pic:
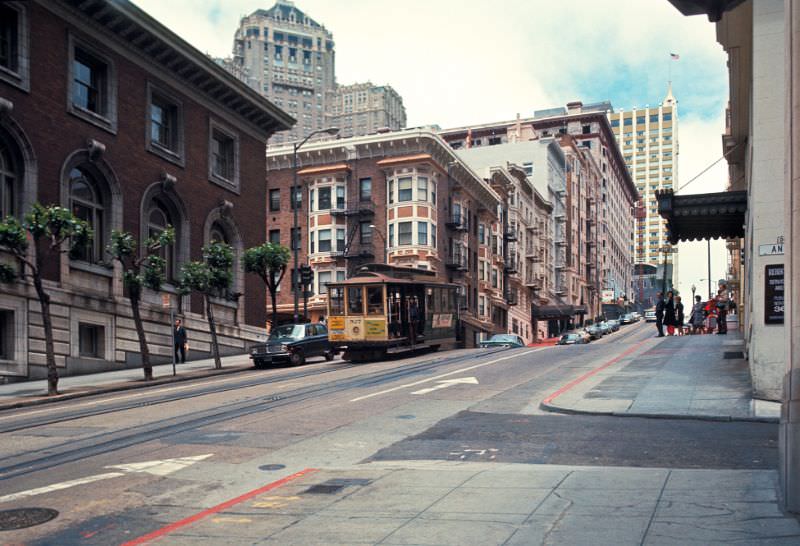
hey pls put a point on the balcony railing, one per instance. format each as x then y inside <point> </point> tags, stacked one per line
<point>457,221</point>
<point>456,261</point>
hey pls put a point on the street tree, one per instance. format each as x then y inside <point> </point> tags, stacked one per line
<point>212,278</point>
<point>53,230</point>
<point>269,262</point>
<point>139,271</point>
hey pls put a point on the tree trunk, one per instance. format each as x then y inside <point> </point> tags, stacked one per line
<point>137,320</point>
<point>273,299</point>
<point>44,301</point>
<point>213,328</point>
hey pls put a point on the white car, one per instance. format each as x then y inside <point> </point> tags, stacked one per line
<point>650,316</point>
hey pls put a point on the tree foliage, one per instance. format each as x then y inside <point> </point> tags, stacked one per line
<point>268,261</point>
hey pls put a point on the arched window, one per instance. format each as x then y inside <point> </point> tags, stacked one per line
<point>217,234</point>
<point>158,219</point>
<point>86,203</point>
<point>8,181</point>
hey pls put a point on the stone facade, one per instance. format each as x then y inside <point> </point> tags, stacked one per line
<point>147,131</point>
<point>363,109</point>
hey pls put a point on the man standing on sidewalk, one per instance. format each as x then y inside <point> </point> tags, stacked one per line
<point>722,310</point>
<point>660,314</point>
<point>179,339</point>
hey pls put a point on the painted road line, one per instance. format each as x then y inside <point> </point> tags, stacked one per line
<point>59,486</point>
<point>449,383</point>
<point>462,370</point>
<point>590,373</point>
<point>156,468</point>
<point>158,533</point>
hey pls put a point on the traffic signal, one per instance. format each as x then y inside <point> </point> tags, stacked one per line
<point>306,275</point>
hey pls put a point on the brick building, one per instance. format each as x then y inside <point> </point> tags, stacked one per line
<point>403,198</point>
<point>107,112</point>
<point>611,214</point>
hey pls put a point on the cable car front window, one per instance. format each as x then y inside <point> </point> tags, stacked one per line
<point>355,300</point>
<point>375,300</point>
<point>336,299</point>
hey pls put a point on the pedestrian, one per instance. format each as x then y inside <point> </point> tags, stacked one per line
<point>679,315</point>
<point>669,314</point>
<point>722,310</point>
<point>322,320</point>
<point>413,317</point>
<point>180,340</point>
<point>660,314</point>
<point>698,316</point>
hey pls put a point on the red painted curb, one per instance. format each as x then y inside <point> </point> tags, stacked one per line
<point>589,374</point>
<point>158,533</point>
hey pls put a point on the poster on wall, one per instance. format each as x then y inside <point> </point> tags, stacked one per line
<point>773,294</point>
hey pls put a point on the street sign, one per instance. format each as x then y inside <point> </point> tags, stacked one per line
<point>772,249</point>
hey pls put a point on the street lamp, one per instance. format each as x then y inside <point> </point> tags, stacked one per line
<point>295,239</point>
<point>693,289</point>
<point>374,228</point>
<point>666,249</point>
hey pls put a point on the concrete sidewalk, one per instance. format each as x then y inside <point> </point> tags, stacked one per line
<point>31,393</point>
<point>451,503</point>
<point>684,377</point>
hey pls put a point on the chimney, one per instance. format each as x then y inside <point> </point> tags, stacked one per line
<point>574,107</point>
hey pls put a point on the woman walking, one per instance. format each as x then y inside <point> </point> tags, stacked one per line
<point>669,314</point>
<point>679,315</point>
<point>698,316</point>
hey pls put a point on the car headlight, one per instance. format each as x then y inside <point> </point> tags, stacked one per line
<point>284,348</point>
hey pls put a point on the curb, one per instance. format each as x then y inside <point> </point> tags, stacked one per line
<point>677,416</point>
<point>120,387</point>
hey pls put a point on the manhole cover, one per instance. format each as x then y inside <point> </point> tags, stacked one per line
<point>21,518</point>
<point>324,489</point>
<point>733,354</point>
<point>271,467</point>
<point>406,416</point>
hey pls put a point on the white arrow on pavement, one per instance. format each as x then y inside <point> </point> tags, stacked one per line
<point>156,468</point>
<point>448,383</point>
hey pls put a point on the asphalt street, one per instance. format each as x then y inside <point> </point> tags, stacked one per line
<point>219,460</point>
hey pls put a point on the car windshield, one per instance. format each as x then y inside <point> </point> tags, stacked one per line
<point>504,338</point>
<point>293,331</point>
<point>571,336</point>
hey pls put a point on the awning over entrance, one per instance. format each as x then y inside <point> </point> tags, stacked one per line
<point>553,312</point>
<point>703,215</point>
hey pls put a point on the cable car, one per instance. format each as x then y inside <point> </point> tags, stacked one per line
<point>386,309</point>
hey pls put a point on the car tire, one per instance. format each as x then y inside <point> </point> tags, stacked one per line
<point>297,358</point>
<point>258,364</point>
<point>329,355</point>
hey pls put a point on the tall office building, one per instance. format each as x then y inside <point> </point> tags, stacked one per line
<point>648,138</point>
<point>290,59</point>
<point>363,109</point>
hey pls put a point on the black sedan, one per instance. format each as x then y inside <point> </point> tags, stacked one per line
<point>293,343</point>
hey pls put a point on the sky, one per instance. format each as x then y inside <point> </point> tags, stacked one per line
<point>460,62</point>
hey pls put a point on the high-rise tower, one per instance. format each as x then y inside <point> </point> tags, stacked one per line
<point>289,58</point>
<point>648,138</point>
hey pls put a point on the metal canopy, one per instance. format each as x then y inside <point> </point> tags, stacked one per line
<point>552,312</point>
<point>703,215</point>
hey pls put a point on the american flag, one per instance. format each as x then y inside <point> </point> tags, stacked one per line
<point>674,56</point>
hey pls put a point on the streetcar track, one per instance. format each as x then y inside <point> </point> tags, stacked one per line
<point>107,442</point>
<point>207,387</point>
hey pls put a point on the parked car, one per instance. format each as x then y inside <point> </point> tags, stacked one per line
<point>615,324</point>
<point>594,331</point>
<point>573,338</point>
<point>650,315</point>
<point>637,316</point>
<point>605,327</point>
<point>503,340</point>
<point>627,318</point>
<point>293,343</point>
